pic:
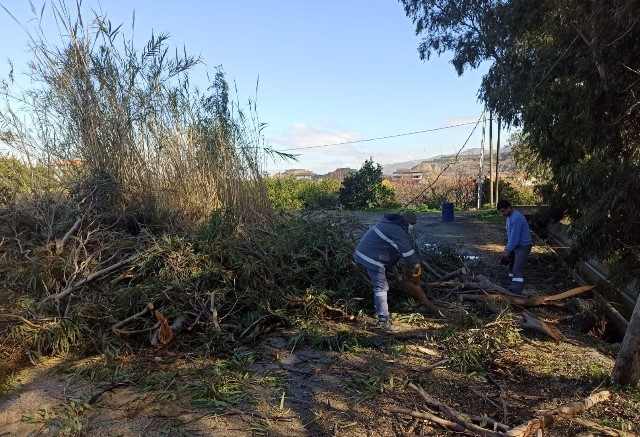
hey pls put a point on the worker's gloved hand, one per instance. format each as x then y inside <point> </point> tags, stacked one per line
<point>505,258</point>
<point>417,272</point>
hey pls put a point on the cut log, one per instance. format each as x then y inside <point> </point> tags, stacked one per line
<point>460,272</point>
<point>532,426</point>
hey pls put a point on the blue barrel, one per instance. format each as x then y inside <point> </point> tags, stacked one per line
<point>447,212</point>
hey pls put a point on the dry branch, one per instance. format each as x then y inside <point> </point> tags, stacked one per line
<point>526,302</point>
<point>73,287</point>
<point>601,428</point>
<point>18,318</point>
<point>455,415</point>
<point>429,269</point>
<point>434,365</point>
<point>532,426</point>
<point>427,351</point>
<point>530,321</point>
<point>432,417</point>
<point>486,284</point>
<point>60,243</point>
<point>116,328</point>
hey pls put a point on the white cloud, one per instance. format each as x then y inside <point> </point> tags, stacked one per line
<point>303,135</point>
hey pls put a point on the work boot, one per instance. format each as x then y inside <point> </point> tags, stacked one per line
<point>386,326</point>
<point>517,288</point>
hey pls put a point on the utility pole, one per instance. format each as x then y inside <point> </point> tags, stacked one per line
<point>491,158</point>
<point>498,158</point>
<point>484,124</point>
<point>491,143</point>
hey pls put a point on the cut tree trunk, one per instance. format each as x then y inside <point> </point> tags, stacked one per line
<point>627,368</point>
<point>414,289</point>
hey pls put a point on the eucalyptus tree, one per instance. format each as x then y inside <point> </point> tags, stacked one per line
<point>568,74</point>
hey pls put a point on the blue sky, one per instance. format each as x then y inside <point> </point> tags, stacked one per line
<point>329,71</point>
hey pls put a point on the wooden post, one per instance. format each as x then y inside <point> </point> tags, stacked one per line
<point>498,160</point>
<point>491,159</point>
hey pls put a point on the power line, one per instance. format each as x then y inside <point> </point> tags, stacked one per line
<point>380,138</point>
<point>455,159</point>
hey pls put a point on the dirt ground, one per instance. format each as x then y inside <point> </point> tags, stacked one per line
<point>297,388</point>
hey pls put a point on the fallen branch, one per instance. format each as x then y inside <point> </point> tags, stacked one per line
<point>569,293</point>
<point>460,272</point>
<point>18,318</point>
<point>60,243</point>
<point>485,398</point>
<point>139,331</point>
<point>601,428</point>
<point>426,351</point>
<point>78,285</point>
<point>486,284</point>
<point>530,321</point>
<point>526,302</point>
<point>429,269</point>
<point>453,414</point>
<point>116,328</point>
<point>570,409</point>
<point>432,417</point>
<point>433,366</point>
<point>492,423</point>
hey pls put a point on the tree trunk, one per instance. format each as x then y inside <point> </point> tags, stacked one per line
<point>627,368</point>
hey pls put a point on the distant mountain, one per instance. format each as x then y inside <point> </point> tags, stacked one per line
<point>388,169</point>
<point>467,160</point>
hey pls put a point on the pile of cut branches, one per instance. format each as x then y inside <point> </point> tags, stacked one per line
<point>85,282</point>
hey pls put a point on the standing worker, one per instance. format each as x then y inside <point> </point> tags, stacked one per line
<point>381,247</point>
<point>519,244</point>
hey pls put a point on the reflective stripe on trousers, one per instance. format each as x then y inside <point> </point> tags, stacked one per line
<point>520,255</point>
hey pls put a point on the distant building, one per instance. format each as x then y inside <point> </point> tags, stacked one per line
<point>404,174</point>
<point>296,173</point>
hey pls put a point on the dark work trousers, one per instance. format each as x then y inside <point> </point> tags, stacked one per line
<point>380,288</point>
<point>516,268</point>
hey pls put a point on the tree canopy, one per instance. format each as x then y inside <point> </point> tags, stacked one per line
<point>568,74</point>
<point>364,189</point>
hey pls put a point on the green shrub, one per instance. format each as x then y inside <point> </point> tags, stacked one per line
<point>517,195</point>
<point>365,189</point>
<point>290,194</point>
